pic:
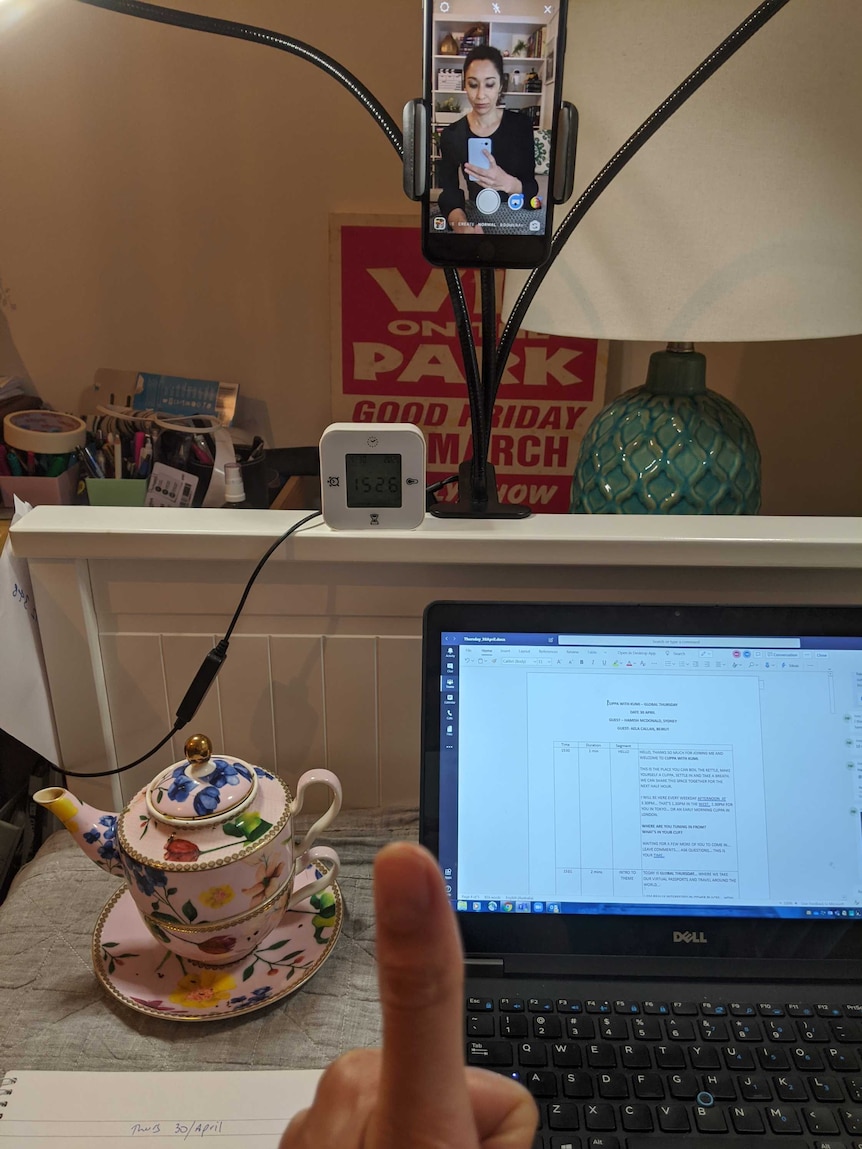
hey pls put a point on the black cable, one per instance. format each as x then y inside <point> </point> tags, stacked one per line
<point>207,670</point>
<point>731,44</point>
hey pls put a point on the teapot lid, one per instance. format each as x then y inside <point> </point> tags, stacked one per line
<point>201,790</point>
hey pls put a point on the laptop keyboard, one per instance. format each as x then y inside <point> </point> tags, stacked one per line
<point>632,1074</point>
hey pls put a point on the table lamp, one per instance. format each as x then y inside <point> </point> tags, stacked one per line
<point>740,220</point>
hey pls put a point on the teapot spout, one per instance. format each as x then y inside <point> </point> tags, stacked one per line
<point>94,830</point>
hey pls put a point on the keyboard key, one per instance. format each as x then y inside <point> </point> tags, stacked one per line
<point>599,1118</point>
<point>660,1007</point>
<point>513,1025</point>
<point>541,1082</point>
<point>842,1060</point>
<point>719,1085</point>
<point>684,1008</point>
<point>581,1027</point>
<point>627,1007</point>
<point>646,1028</point>
<point>739,1057</point>
<point>603,1142</point>
<point>562,1115</point>
<point>669,1057</point>
<point>601,1056</point>
<point>795,1009</point>
<point>679,1029</point>
<point>672,1119</point>
<point>807,1057</point>
<point>713,1030</point>
<point>770,1009</point>
<point>713,1009</point>
<point>637,1118</point>
<point>635,1056</point>
<point>479,1004</point>
<point>780,1030</point>
<point>613,1028</point>
<point>532,1053</point>
<point>743,1009</point>
<point>480,1025</point>
<point>746,1119</point>
<point>489,1053</point>
<point>829,1011</point>
<point>755,1087</point>
<point>852,1118</point>
<point>814,1030</point>
<point>825,1088</point>
<point>704,1057</point>
<point>613,1086</point>
<point>566,1053</point>
<point>547,1026</point>
<point>569,1005</point>
<point>708,1119</point>
<point>847,1030</point>
<point>819,1119</point>
<point>775,1058</point>
<point>790,1087</point>
<point>782,1119</point>
<point>565,1142</point>
<point>579,1085</point>
<point>595,1006</point>
<point>854,1088</point>
<point>649,1086</point>
<point>683,1086</point>
<point>540,1005</point>
<point>693,1141</point>
<point>511,1004</point>
<point>746,1030</point>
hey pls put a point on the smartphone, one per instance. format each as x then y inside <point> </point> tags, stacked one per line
<point>476,148</point>
<point>493,76</point>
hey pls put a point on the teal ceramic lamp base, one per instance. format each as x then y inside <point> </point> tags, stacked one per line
<point>669,447</point>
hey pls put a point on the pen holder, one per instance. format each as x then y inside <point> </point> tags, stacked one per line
<point>116,492</point>
<point>40,490</point>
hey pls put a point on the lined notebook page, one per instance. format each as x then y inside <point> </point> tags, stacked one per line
<point>238,1110</point>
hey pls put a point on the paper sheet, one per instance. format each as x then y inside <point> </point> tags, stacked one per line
<point>25,701</point>
<point>79,1110</point>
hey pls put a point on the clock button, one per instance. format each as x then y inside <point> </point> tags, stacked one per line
<point>411,482</point>
<point>332,481</point>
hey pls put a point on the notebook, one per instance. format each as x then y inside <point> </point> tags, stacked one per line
<point>649,820</point>
<point>78,1110</point>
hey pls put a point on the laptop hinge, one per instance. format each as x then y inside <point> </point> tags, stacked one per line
<point>476,965</point>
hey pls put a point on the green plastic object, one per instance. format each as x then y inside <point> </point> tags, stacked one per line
<point>671,446</point>
<point>116,492</point>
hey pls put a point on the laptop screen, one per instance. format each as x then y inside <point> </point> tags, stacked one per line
<point>702,762</point>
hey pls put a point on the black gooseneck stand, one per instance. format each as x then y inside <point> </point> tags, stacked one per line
<point>477,489</point>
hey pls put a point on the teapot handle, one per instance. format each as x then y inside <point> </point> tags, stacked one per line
<point>309,778</point>
<point>315,854</point>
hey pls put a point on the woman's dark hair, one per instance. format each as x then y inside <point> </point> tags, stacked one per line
<point>485,52</point>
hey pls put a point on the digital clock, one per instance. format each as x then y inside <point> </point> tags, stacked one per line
<point>372,475</point>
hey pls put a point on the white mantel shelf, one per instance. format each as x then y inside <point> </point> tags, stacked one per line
<point>543,540</point>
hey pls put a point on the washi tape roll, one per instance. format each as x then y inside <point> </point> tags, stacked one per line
<point>44,432</point>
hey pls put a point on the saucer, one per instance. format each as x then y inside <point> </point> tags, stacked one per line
<point>138,971</point>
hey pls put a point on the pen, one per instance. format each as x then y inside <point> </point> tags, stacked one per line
<point>31,463</point>
<point>118,457</point>
<point>14,463</point>
<point>4,466</point>
<point>86,456</point>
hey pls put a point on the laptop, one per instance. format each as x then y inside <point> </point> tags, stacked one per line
<point>649,821</point>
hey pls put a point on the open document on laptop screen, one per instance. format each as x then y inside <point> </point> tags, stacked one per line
<point>647,774</point>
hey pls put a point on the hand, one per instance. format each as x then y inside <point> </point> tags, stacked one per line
<point>493,176</point>
<point>415,1092</point>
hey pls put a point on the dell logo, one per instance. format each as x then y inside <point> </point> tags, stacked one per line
<point>689,937</point>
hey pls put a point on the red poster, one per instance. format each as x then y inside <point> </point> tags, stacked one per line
<point>397,358</point>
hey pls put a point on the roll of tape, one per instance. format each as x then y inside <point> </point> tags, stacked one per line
<point>44,432</point>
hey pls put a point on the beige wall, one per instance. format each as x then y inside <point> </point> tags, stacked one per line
<point>165,200</point>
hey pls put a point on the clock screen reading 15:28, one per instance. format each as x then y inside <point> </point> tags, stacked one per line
<point>373,480</point>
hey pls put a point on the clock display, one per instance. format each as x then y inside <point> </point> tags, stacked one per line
<point>373,480</point>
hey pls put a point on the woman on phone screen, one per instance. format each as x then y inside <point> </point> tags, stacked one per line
<point>511,158</point>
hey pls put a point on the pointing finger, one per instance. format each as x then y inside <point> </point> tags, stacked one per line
<point>422,1085</point>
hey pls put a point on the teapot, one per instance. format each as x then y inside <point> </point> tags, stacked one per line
<point>207,850</point>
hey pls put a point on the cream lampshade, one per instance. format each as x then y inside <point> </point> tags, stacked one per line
<point>739,220</point>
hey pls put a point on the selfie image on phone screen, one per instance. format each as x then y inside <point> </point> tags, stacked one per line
<point>492,80</point>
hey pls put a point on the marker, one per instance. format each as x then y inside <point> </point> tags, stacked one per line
<point>4,465</point>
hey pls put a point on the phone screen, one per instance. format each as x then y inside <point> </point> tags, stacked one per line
<point>493,78</point>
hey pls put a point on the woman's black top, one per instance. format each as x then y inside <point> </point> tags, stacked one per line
<point>512,148</point>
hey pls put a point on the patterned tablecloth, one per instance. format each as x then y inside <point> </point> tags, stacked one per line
<point>54,1013</point>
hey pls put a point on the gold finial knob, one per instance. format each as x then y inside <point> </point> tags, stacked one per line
<point>198,748</point>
